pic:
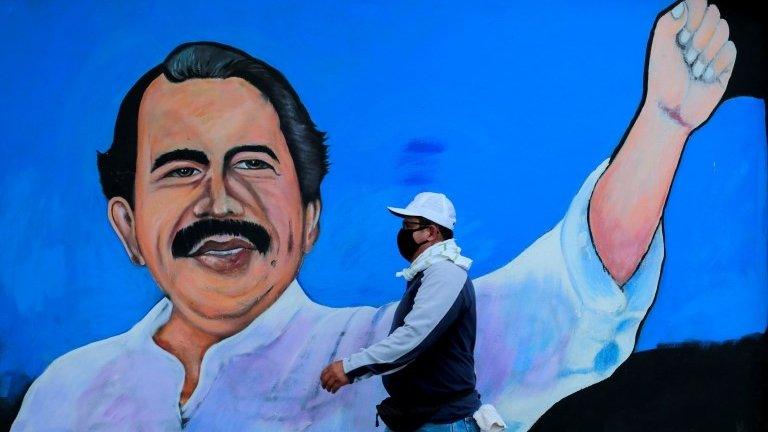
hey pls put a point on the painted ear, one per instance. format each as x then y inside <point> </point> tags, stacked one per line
<point>121,218</point>
<point>311,224</point>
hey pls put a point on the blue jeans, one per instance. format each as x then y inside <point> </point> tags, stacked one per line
<point>464,425</point>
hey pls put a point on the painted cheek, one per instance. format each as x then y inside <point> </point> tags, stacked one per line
<point>154,234</point>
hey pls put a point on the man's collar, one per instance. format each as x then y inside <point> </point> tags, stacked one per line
<point>444,250</point>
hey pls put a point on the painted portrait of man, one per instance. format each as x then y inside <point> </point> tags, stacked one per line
<point>213,186</point>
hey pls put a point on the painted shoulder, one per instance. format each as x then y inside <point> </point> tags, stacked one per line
<point>75,369</point>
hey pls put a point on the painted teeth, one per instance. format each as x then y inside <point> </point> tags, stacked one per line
<point>224,252</point>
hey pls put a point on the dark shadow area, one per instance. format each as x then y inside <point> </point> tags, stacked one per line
<point>746,22</point>
<point>686,387</point>
<point>12,388</point>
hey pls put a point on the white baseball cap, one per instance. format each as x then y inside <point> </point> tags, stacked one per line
<point>430,205</point>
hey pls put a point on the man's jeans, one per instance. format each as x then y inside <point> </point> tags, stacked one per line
<point>464,425</point>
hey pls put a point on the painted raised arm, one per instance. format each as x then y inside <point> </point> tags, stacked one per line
<point>689,65</point>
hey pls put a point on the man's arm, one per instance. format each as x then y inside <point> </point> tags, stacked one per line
<point>436,306</point>
<point>689,66</point>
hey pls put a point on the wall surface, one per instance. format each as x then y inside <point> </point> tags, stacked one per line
<point>505,107</point>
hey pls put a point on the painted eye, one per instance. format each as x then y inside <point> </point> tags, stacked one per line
<point>183,172</point>
<point>253,164</point>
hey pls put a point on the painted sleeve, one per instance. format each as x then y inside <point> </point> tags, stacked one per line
<point>553,321</point>
<point>437,304</point>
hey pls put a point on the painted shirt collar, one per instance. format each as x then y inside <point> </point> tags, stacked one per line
<point>261,331</point>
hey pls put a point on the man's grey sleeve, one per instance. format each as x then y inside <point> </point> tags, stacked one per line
<point>437,304</point>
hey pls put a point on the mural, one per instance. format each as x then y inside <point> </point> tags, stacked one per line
<point>219,175</point>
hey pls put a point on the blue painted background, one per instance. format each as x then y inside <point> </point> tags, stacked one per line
<point>505,107</point>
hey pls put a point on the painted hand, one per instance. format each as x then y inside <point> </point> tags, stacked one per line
<point>690,63</point>
<point>333,377</point>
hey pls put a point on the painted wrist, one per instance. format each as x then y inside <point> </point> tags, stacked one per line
<point>666,120</point>
<point>674,115</point>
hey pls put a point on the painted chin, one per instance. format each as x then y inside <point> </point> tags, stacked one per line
<point>226,262</point>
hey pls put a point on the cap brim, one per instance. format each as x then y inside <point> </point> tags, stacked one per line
<point>401,212</point>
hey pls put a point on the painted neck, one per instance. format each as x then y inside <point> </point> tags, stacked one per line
<point>188,344</point>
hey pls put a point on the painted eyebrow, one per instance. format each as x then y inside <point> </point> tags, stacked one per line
<point>180,155</point>
<point>249,148</point>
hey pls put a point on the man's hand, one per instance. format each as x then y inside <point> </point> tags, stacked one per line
<point>333,377</point>
<point>690,63</point>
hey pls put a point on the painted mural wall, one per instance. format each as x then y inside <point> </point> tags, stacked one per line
<point>513,110</point>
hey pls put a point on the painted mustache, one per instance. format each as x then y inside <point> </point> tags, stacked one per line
<point>188,238</point>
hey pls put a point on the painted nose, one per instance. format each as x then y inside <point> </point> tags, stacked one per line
<point>218,201</point>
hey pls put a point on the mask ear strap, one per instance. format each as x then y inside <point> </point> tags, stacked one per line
<point>420,228</point>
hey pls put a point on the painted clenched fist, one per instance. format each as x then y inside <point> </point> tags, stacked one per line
<point>690,63</point>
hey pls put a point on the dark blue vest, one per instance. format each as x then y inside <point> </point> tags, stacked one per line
<point>444,371</point>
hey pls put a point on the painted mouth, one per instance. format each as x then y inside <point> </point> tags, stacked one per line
<point>226,240</point>
<point>221,247</point>
<point>223,255</point>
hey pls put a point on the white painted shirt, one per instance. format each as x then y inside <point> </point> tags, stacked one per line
<point>550,322</point>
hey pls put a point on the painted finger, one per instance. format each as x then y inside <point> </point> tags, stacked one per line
<point>703,34</point>
<point>721,67</point>
<point>677,16</point>
<point>696,10</point>
<point>719,38</point>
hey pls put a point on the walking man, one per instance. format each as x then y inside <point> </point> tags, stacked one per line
<point>427,361</point>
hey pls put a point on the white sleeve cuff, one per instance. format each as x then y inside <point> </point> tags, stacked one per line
<point>592,282</point>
